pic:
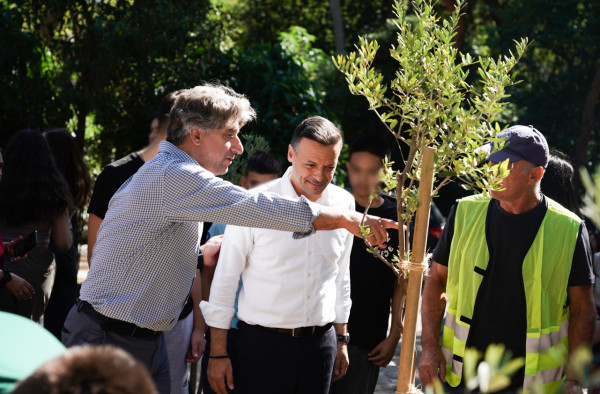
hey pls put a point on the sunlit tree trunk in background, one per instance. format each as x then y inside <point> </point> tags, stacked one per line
<point>461,29</point>
<point>338,26</point>
<point>586,131</point>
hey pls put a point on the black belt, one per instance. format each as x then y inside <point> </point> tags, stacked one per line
<point>301,332</point>
<point>116,326</point>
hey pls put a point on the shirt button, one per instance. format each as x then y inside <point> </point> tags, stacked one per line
<point>308,297</point>
<point>308,318</point>
<point>310,253</point>
<point>309,274</point>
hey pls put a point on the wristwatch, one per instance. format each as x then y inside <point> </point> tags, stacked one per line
<point>344,338</point>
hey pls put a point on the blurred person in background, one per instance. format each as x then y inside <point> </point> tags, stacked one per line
<point>374,287</point>
<point>20,288</point>
<point>33,196</point>
<point>69,161</point>
<point>557,182</point>
<point>154,129</point>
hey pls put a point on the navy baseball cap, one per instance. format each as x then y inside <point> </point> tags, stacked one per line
<point>522,143</point>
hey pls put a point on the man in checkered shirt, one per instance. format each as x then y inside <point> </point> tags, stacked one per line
<point>145,257</point>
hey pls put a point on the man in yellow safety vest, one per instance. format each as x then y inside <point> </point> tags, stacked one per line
<point>514,268</point>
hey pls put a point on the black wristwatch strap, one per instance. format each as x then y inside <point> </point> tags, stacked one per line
<point>6,278</point>
<point>343,338</point>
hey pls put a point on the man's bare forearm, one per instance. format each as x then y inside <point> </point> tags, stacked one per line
<point>340,328</point>
<point>94,223</point>
<point>333,218</point>
<point>396,328</point>
<point>218,341</point>
<point>581,320</point>
<point>432,310</point>
<point>196,295</point>
<point>207,276</point>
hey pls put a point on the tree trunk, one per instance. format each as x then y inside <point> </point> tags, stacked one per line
<point>415,279</point>
<point>338,26</point>
<point>586,131</point>
<point>80,129</point>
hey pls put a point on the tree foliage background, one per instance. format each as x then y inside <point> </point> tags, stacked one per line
<point>100,67</point>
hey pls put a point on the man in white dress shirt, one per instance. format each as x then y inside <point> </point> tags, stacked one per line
<point>295,299</point>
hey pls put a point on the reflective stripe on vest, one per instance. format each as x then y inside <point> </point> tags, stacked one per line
<point>546,270</point>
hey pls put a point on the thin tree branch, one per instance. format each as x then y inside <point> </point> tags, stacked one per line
<point>443,183</point>
<point>372,248</point>
<point>388,127</point>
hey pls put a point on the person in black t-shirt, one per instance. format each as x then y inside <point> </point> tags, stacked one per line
<point>514,217</point>
<point>188,334</point>
<point>373,285</point>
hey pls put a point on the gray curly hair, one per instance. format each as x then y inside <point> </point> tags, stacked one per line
<point>207,107</point>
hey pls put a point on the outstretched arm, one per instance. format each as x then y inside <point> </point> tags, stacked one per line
<point>332,218</point>
<point>202,197</point>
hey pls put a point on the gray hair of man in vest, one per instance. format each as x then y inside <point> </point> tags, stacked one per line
<point>207,107</point>
<point>528,166</point>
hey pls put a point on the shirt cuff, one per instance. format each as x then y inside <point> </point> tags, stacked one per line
<point>315,211</point>
<point>342,312</point>
<point>217,317</point>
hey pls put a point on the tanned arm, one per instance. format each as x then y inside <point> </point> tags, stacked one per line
<point>581,328</point>
<point>432,360</point>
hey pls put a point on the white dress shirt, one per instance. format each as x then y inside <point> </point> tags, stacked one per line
<point>287,283</point>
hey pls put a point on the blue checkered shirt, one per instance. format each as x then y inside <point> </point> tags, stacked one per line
<point>145,257</point>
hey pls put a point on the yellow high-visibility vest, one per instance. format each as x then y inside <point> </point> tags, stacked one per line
<point>546,270</point>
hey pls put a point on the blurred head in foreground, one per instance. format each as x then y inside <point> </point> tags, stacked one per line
<point>89,369</point>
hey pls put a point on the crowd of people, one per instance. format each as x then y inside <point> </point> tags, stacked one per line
<point>279,294</point>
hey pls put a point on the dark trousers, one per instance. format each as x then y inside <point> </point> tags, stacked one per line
<point>272,362</point>
<point>65,290</point>
<point>232,339</point>
<point>362,374</point>
<point>82,329</point>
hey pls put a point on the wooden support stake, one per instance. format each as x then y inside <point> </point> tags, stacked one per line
<point>413,296</point>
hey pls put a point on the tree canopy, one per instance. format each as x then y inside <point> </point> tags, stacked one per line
<point>101,67</point>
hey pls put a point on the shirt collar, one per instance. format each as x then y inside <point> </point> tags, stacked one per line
<point>167,147</point>
<point>288,189</point>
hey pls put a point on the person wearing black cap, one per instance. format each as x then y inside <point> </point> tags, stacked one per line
<point>515,269</point>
